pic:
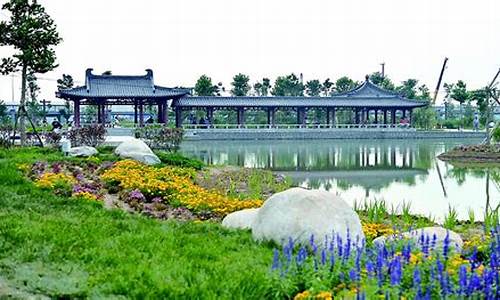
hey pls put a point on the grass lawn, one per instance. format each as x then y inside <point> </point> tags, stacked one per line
<point>63,248</point>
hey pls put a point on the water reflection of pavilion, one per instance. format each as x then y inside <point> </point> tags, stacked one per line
<point>371,164</point>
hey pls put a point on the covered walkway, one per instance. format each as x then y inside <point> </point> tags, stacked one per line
<point>366,104</point>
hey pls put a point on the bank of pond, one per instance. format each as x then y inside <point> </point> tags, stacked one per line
<point>103,226</point>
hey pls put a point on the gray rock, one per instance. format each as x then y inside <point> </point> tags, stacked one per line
<point>137,150</point>
<point>299,214</point>
<point>456,242</point>
<point>82,151</point>
<point>242,219</point>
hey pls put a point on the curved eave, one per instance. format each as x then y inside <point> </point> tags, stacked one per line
<point>80,93</point>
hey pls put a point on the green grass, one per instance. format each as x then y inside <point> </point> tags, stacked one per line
<point>63,248</point>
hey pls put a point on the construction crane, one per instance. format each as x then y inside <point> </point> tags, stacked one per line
<point>439,81</point>
<point>433,103</point>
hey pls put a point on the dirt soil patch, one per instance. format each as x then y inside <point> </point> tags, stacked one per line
<point>473,154</point>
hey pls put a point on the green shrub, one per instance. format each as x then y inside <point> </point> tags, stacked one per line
<point>161,137</point>
<point>5,136</point>
<point>92,135</point>
<point>495,134</point>
<point>177,159</point>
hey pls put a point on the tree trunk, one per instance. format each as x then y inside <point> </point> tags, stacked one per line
<point>488,138</point>
<point>22,105</point>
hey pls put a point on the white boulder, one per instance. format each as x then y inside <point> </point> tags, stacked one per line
<point>137,150</point>
<point>298,214</point>
<point>242,219</point>
<point>455,241</point>
<point>82,151</point>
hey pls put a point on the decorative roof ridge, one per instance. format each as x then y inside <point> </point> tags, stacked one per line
<point>148,75</point>
<point>367,83</point>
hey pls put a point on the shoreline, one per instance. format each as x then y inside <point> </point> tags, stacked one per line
<point>324,133</point>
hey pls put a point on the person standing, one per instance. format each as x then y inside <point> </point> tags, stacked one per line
<point>476,122</point>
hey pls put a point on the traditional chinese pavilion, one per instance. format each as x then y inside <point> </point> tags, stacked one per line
<point>104,90</point>
<point>363,101</point>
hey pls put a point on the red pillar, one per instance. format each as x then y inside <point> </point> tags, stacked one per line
<point>76,116</point>
<point>135,112</point>
<point>141,114</point>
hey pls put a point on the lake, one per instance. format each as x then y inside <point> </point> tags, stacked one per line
<point>397,171</point>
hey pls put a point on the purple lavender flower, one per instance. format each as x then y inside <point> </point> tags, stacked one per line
<point>56,168</point>
<point>276,260</point>
<point>446,245</point>
<point>323,256</point>
<point>301,256</point>
<point>396,271</point>
<point>353,275</point>
<point>136,195</point>
<point>462,280</point>
<point>369,268</point>
<point>157,200</point>
<point>417,279</point>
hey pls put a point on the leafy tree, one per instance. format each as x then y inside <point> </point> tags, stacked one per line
<point>32,106</point>
<point>327,87</point>
<point>424,117</point>
<point>205,87</point>
<point>288,85</point>
<point>409,88</point>
<point>459,93</point>
<point>382,81</point>
<point>313,88</point>
<point>344,84</point>
<point>4,115</point>
<point>480,97</point>
<point>423,93</point>
<point>66,82</point>
<point>32,33</point>
<point>240,85</point>
<point>262,88</point>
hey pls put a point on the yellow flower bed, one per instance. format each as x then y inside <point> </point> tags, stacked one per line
<point>373,230</point>
<point>325,295</point>
<point>85,196</point>
<point>173,184</point>
<point>50,180</point>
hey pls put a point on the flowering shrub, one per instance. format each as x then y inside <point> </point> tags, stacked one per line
<point>85,196</point>
<point>68,179</point>
<point>174,185</point>
<point>373,230</point>
<point>400,269</point>
<point>60,183</point>
<point>92,135</point>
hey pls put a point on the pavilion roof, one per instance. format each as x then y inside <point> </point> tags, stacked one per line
<point>278,101</point>
<point>120,87</point>
<point>365,95</point>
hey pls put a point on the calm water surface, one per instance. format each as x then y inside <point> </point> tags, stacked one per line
<point>397,171</point>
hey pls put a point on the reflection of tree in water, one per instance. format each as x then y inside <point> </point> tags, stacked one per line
<point>371,164</point>
<point>343,185</point>
<point>460,174</point>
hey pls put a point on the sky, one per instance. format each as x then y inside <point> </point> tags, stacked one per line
<point>181,40</point>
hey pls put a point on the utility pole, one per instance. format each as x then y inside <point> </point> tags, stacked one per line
<point>439,81</point>
<point>383,70</point>
<point>12,86</point>
<point>45,103</point>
